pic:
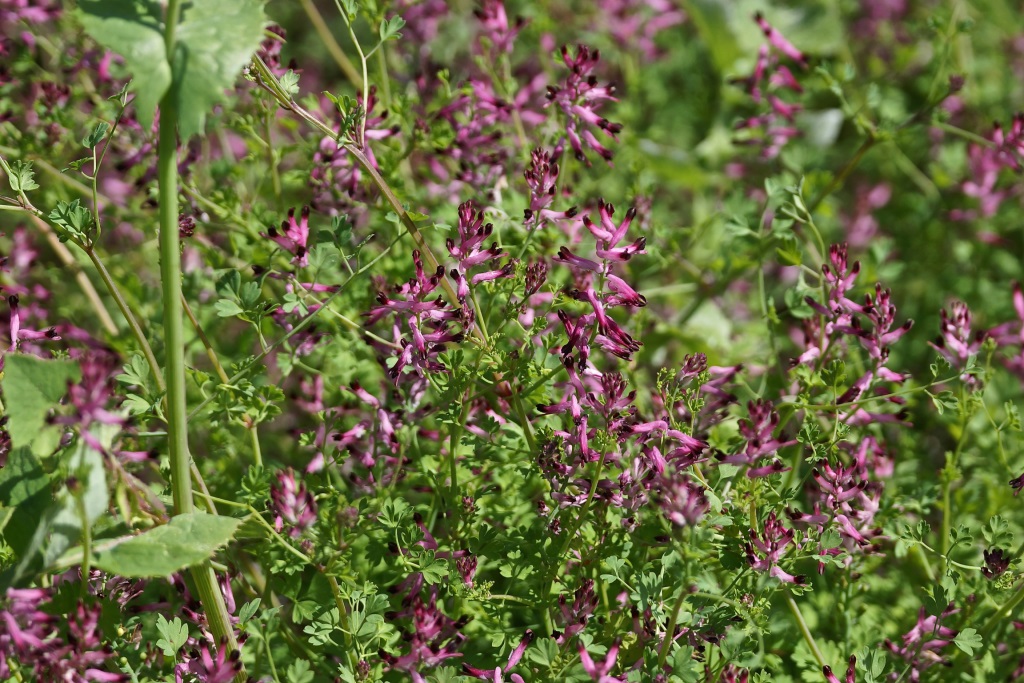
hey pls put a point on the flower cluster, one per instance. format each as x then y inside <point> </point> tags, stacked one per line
<point>579,98</point>
<point>427,320</point>
<point>1005,151</point>
<point>293,504</point>
<point>775,126</point>
<point>49,647</point>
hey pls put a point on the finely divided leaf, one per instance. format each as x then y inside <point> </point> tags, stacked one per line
<point>187,540</point>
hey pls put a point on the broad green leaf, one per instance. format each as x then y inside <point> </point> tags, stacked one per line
<point>32,386</point>
<point>134,30</point>
<point>21,479</point>
<point>187,540</point>
<point>214,39</point>
<point>52,528</point>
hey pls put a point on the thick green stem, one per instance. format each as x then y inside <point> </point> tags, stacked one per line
<point>170,282</point>
<point>207,589</point>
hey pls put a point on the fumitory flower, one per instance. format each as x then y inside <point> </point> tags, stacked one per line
<point>682,501</point>
<point>574,617</point>
<point>957,343</point>
<point>777,123</point>
<point>766,549</point>
<point>432,636</point>
<point>922,645</point>
<point>1011,335</point>
<point>542,179</point>
<point>986,163</point>
<point>496,30</point>
<point>758,430</point>
<point>48,647</point>
<point>427,321</point>
<point>292,236</point>
<point>851,671</point>
<point>599,671</point>
<point>997,561</point>
<point>470,251</point>
<point>497,675</point>
<point>579,97</point>
<point>292,503</point>
<point>610,336</point>
<point>202,666</point>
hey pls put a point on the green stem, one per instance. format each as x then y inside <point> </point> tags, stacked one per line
<point>129,316</point>
<point>86,541</point>
<point>257,453</point>
<point>671,629</point>
<point>1006,609</point>
<point>324,31</point>
<point>806,632</point>
<point>170,281</point>
<point>207,589</point>
<point>838,180</point>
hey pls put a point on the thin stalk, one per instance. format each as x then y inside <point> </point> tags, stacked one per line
<point>362,62</point>
<point>129,316</point>
<point>322,30</point>
<point>84,283</point>
<point>671,629</point>
<point>845,171</point>
<point>275,174</point>
<point>86,542</point>
<point>257,453</point>
<point>806,632</point>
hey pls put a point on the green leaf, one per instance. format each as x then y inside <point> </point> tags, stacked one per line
<point>187,540</point>
<point>96,136</point>
<point>174,632</point>
<point>967,640</point>
<point>73,219</point>
<point>32,386</point>
<point>135,30</point>
<point>21,479</point>
<point>831,539</point>
<point>248,610</point>
<point>214,39</point>
<point>22,177</point>
<point>290,82</point>
<point>226,308</point>
<point>299,672</point>
<point>55,527</point>
<point>389,28</point>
